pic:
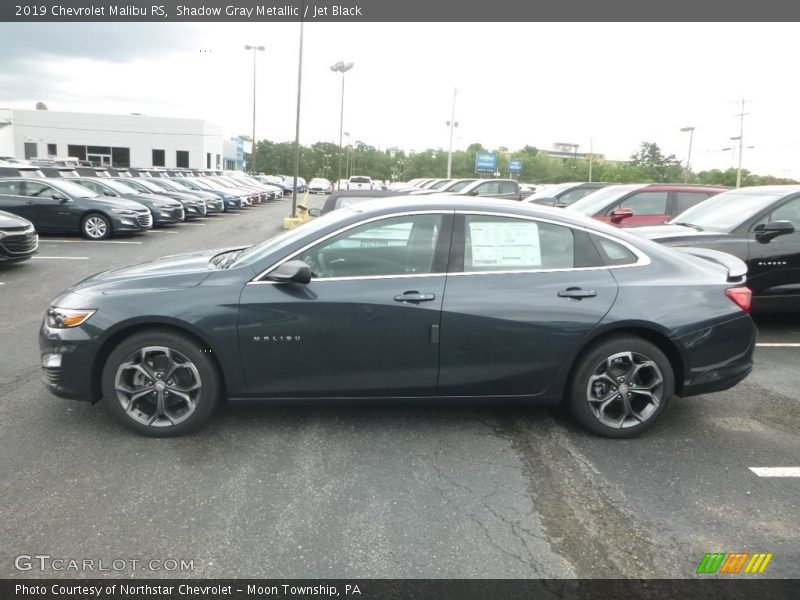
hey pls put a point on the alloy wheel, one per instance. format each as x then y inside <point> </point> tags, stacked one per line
<point>95,227</point>
<point>625,389</point>
<point>158,386</point>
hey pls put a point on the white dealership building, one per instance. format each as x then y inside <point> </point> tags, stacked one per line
<point>117,140</point>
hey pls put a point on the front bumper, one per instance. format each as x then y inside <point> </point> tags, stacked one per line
<point>73,377</point>
<point>126,223</point>
<point>168,216</point>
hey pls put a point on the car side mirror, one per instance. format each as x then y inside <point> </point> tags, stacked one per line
<point>314,212</point>
<point>621,213</point>
<point>293,271</point>
<point>60,197</point>
<point>112,194</point>
<point>768,232</point>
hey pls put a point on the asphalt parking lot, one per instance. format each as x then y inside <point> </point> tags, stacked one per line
<point>377,490</point>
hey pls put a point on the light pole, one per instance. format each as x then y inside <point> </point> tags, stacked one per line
<point>347,159</point>
<point>689,155</point>
<point>452,123</point>
<point>253,151</point>
<point>741,146</point>
<point>341,67</point>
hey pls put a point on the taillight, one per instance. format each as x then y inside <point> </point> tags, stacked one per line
<point>742,296</point>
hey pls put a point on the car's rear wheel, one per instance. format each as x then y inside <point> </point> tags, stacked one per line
<point>160,383</point>
<point>620,386</point>
<point>96,227</point>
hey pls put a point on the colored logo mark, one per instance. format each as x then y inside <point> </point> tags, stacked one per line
<point>734,562</point>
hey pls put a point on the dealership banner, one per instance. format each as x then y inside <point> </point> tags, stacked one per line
<point>407,10</point>
<point>402,589</point>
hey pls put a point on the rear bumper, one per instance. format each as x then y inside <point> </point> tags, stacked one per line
<point>718,357</point>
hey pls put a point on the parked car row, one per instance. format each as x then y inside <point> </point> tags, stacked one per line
<point>757,224</point>
<point>99,203</point>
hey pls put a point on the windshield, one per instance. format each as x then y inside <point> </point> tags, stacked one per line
<point>147,184</point>
<point>264,249</point>
<point>593,203</point>
<point>73,189</point>
<point>120,188</point>
<point>724,212</point>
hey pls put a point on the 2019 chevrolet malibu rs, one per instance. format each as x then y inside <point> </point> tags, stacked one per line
<point>436,297</point>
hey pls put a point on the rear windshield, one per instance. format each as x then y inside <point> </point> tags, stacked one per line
<point>360,180</point>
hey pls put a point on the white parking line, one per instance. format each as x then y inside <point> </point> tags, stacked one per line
<point>776,471</point>
<point>780,345</point>
<point>86,242</point>
<point>162,231</point>
<point>62,257</point>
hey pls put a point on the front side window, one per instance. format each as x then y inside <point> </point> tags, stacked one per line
<point>509,244</point>
<point>645,203</point>
<point>38,190</point>
<point>490,188</point>
<point>395,246</point>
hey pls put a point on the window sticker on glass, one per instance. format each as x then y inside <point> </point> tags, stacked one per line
<point>504,244</point>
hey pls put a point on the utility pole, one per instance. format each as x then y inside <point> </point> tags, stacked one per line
<point>741,145</point>
<point>452,123</point>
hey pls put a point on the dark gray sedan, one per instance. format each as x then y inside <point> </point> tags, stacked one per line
<point>409,298</point>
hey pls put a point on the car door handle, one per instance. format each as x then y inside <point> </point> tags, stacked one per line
<point>576,293</point>
<point>414,297</point>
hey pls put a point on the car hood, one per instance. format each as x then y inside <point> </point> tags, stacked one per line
<point>152,198</point>
<point>169,272</point>
<point>675,233</point>
<point>118,202</point>
<point>9,220</point>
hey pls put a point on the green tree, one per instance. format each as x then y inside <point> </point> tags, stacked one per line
<point>654,165</point>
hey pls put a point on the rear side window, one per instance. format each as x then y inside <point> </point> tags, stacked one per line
<point>613,253</point>
<point>684,200</point>
<point>9,188</point>
<point>507,187</point>
<point>508,244</point>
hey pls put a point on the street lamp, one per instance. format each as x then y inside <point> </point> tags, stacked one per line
<point>253,151</point>
<point>690,130</point>
<point>451,123</point>
<point>341,67</point>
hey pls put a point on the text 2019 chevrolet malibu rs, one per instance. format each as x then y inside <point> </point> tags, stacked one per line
<point>436,297</point>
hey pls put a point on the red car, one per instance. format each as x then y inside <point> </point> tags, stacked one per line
<point>637,204</point>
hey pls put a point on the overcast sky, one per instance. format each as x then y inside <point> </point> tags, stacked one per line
<point>611,85</point>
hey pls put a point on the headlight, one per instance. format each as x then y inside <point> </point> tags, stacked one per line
<point>163,205</point>
<point>123,211</point>
<point>64,318</point>
<point>2,234</point>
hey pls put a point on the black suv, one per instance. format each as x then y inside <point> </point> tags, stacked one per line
<point>60,206</point>
<point>18,239</point>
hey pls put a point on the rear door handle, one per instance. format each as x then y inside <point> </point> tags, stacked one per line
<point>576,293</point>
<point>414,297</point>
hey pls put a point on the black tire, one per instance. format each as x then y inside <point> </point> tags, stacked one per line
<point>606,369</point>
<point>174,406</point>
<point>96,226</point>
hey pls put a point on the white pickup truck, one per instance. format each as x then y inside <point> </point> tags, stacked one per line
<point>359,182</point>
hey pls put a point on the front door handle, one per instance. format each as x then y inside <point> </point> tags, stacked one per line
<point>414,297</point>
<point>576,293</point>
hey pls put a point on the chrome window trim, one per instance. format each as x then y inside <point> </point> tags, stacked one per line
<point>642,258</point>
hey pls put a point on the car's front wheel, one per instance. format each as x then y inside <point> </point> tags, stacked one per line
<point>96,227</point>
<point>160,383</point>
<point>620,386</point>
